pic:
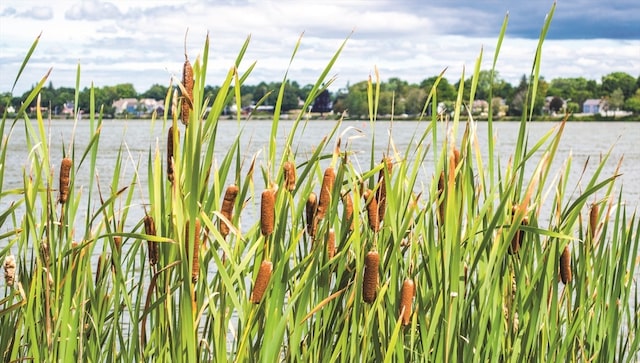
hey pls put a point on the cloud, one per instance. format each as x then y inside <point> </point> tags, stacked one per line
<point>92,10</point>
<point>36,12</point>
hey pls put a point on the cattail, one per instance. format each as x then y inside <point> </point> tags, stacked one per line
<point>517,239</point>
<point>10,270</point>
<point>311,208</point>
<point>99,270</point>
<point>195,266</point>
<point>117,241</point>
<point>187,97</point>
<point>455,158</point>
<point>227,208</point>
<point>289,175</point>
<point>348,209</point>
<point>267,211</point>
<point>325,192</point>
<point>170,160</point>
<point>406,300</point>
<point>593,219</point>
<point>331,243</point>
<point>440,200</point>
<point>150,229</point>
<point>565,266</point>
<point>381,194</point>
<point>262,280</point>
<point>372,211</point>
<point>65,169</point>
<point>370,281</point>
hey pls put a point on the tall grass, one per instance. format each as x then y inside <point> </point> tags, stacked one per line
<point>447,234</point>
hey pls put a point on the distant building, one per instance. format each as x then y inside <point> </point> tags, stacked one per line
<point>593,106</point>
<point>133,106</point>
<point>125,105</point>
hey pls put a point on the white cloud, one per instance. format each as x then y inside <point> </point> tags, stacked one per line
<point>143,42</point>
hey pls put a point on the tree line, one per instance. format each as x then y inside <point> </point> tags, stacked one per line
<point>620,91</point>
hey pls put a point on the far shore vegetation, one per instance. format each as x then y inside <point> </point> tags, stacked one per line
<point>615,97</point>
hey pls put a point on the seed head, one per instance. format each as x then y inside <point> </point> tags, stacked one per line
<point>65,170</point>
<point>370,280</point>
<point>289,175</point>
<point>406,300</point>
<point>170,159</point>
<point>593,220</point>
<point>227,208</point>
<point>325,192</point>
<point>311,208</point>
<point>150,229</point>
<point>195,266</point>
<point>267,211</point>
<point>331,243</point>
<point>372,211</point>
<point>262,280</point>
<point>348,209</point>
<point>187,98</point>
<point>10,270</point>
<point>565,265</point>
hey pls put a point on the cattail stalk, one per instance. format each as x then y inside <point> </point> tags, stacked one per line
<point>406,300</point>
<point>289,175</point>
<point>227,208</point>
<point>170,159</point>
<point>10,270</point>
<point>267,211</point>
<point>381,194</point>
<point>262,280</point>
<point>370,280</point>
<point>311,209</point>
<point>348,209</point>
<point>195,266</point>
<point>516,241</point>
<point>65,171</point>
<point>565,265</point>
<point>372,211</point>
<point>331,243</point>
<point>150,229</point>
<point>593,220</point>
<point>440,200</point>
<point>187,83</point>
<point>325,192</point>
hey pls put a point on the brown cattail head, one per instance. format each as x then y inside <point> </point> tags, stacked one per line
<point>565,265</point>
<point>311,208</point>
<point>370,280</point>
<point>117,241</point>
<point>262,280</point>
<point>9,270</point>
<point>381,194</point>
<point>406,300</point>
<point>170,159</point>
<point>348,209</point>
<point>372,210</point>
<point>455,158</point>
<point>195,266</point>
<point>516,241</point>
<point>289,175</point>
<point>267,211</point>
<point>65,171</point>
<point>440,200</point>
<point>331,243</point>
<point>150,229</point>
<point>227,208</point>
<point>187,97</point>
<point>593,220</point>
<point>325,192</point>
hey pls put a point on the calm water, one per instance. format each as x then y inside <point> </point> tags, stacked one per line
<point>581,141</point>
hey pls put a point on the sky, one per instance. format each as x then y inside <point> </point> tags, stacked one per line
<point>143,42</point>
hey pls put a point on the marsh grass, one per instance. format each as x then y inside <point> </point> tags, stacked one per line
<point>475,298</point>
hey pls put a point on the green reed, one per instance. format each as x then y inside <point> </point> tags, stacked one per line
<point>448,225</point>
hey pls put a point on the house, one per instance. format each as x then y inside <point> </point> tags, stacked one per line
<point>125,105</point>
<point>480,107</point>
<point>593,106</point>
<point>68,109</point>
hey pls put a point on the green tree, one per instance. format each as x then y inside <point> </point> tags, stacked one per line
<point>446,92</point>
<point>633,103</point>
<point>620,80</point>
<point>156,92</point>
<point>616,100</point>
